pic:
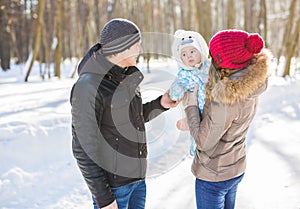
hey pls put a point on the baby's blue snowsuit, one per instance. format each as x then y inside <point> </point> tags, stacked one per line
<point>186,81</point>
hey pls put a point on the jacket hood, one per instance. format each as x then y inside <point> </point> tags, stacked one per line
<point>95,62</point>
<point>249,82</point>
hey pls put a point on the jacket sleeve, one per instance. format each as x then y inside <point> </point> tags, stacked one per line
<point>85,133</point>
<point>94,176</point>
<point>209,131</point>
<point>152,109</point>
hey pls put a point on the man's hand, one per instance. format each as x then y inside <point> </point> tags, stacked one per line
<point>113,205</point>
<point>167,102</point>
<point>191,98</point>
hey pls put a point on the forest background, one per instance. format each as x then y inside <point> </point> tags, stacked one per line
<point>52,31</point>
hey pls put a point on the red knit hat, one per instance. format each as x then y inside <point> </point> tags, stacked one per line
<point>234,48</point>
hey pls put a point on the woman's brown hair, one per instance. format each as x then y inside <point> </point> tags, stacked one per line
<point>215,74</point>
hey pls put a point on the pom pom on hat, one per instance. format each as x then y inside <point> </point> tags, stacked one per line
<point>234,49</point>
<point>254,43</point>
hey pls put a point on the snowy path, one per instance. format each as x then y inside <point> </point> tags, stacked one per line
<point>37,169</point>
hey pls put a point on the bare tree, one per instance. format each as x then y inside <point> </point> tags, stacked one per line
<point>275,20</point>
<point>184,22</point>
<point>80,32</point>
<point>58,49</point>
<point>207,21</point>
<point>4,36</point>
<point>37,44</point>
<point>147,44</point>
<point>189,15</point>
<point>249,14</point>
<point>292,48</point>
<point>288,29</point>
<point>230,16</point>
<point>263,27</point>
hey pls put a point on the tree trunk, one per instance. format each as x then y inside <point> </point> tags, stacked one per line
<point>198,16</point>
<point>58,50</point>
<point>263,20</point>
<point>292,48</point>
<point>47,53</point>
<point>207,22</point>
<point>174,16</point>
<point>91,29</point>
<point>37,44</point>
<point>26,34</point>
<point>81,38</point>
<point>189,15</point>
<point>147,43</point>
<point>230,16</point>
<point>288,29</point>
<point>4,37</point>
<point>182,15</point>
<point>248,15</point>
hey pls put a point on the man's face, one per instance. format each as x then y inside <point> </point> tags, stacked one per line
<point>130,55</point>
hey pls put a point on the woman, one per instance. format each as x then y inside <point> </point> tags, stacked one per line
<point>237,76</point>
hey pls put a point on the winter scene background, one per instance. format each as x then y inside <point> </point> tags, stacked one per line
<point>37,168</point>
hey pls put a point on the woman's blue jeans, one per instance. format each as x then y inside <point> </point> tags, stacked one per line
<point>131,196</point>
<point>217,195</point>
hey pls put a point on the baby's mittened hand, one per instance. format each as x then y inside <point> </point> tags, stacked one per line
<point>191,98</point>
<point>182,124</point>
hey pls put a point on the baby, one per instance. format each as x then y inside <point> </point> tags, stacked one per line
<point>191,53</point>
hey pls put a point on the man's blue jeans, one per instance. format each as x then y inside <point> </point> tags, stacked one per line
<point>217,195</point>
<point>131,196</point>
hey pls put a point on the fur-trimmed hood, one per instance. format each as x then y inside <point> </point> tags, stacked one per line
<point>248,82</point>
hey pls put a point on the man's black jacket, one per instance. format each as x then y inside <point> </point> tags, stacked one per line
<point>108,131</point>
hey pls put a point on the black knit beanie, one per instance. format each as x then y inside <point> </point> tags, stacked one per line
<point>118,35</point>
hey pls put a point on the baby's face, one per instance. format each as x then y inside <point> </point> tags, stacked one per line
<point>190,56</point>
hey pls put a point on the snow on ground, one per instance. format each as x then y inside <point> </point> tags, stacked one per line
<point>37,169</point>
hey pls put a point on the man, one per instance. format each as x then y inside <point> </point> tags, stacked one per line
<point>108,118</point>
